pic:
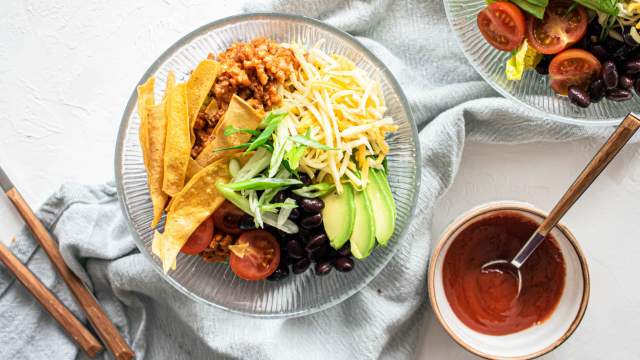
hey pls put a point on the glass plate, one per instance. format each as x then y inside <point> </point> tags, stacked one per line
<point>533,90</point>
<point>215,284</point>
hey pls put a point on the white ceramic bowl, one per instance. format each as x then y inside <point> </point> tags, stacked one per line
<point>536,340</point>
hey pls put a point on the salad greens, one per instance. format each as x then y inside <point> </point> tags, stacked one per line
<point>609,7</point>
<point>533,7</point>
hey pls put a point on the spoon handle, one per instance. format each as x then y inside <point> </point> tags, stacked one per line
<point>603,157</point>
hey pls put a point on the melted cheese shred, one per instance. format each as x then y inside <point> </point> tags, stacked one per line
<point>341,107</point>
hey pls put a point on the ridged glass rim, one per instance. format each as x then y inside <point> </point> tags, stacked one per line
<point>124,124</point>
<point>476,66</point>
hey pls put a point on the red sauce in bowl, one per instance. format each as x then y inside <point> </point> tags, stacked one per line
<point>488,301</point>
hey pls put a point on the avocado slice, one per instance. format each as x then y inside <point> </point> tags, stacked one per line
<point>338,216</point>
<point>384,208</point>
<point>363,237</point>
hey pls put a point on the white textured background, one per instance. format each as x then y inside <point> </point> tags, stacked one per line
<point>67,69</point>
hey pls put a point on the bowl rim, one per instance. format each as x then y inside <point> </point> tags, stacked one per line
<point>352,41</point>
<point>463,219</point>
<point>560,118</point>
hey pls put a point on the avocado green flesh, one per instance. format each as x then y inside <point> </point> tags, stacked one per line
<point>384,208</point>
<point>339,215</point>
<point>363,237</point>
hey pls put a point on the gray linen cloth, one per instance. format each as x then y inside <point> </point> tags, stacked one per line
<point>451,105</point>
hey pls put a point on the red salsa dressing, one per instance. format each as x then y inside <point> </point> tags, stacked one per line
<point>487,301</point>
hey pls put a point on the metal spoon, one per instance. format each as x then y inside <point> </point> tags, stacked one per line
<point>603,157</point>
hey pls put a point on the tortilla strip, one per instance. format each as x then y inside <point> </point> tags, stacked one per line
<point>240,115</point>
<point>192,169</point>
<point>190,207</point>
<point>155,172</point>
<point>178,144</point>
<point>145,101</point>
<point>198,87</point>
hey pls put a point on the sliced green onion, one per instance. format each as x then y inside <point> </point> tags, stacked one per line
<point>234,167</point>
<point>243,204</point>
<point>230,130</point>
<point>314,191</point>
<point>258,162</point>
<point>275,206</point>
<point>307,141</point>
<point>284,213</point>
<point>271,120</point>
<point>262,183</point>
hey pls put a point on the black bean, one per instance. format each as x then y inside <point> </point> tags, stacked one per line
<point>631,66</point>
<point>600,52</point>
<point>543,65</point>
<point>345,250</point>
<point>301,266</point>
<point>311,205</point>
<point>295,214</point>
<point>609,74</point>
<point>311,221</point>
<point>295,250</point>
<point>281,272</point>
<point>323,267</point>
<point>318,239</point>
<point>619,95</point>
<point>280,197</point>
<point>246,223</point>
<point>343,264</point>
<point>579,97</point>
<point>636,86</point>
<point>625,82</point>
<point>306,180</point>
<point>596,90</point>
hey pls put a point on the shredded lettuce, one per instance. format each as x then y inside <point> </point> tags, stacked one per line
<point>525,57</point>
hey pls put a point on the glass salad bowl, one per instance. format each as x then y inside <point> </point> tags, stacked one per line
<point>215,284</point>
<point>533,90</point>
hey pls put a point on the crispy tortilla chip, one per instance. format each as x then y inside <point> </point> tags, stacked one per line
<point>190,207</point>
<point>145,102</point>
<point>198,88</point>
<point>177,150</point>
<point>240,115</point>
<point>157,128</point>
<point>192,169</point>
<point>212,108</point>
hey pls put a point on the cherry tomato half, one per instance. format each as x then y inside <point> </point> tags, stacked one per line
<point>558,30</point>
<point>255,255</point>
<point>200,238</point>
<point>227,218</point>
<point>573,67</point>
<point>502,24</point>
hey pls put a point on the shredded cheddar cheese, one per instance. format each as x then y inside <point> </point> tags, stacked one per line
<point>341,107</point>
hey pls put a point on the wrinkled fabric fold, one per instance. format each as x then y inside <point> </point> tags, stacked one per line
<point>451,105</point>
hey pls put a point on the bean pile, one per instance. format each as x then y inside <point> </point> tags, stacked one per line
<point>620,72</point>
<point>310,246</point>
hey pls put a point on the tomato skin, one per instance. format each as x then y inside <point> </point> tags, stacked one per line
<point>502,24</point>
<point>200,238</point>
<point>261,256</point>
<point>573,67</point>
<point>558,30</point>
<point>227,218</point>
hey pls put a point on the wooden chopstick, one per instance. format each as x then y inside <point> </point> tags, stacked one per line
<point>95,314</point>
<point>50,302</point>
